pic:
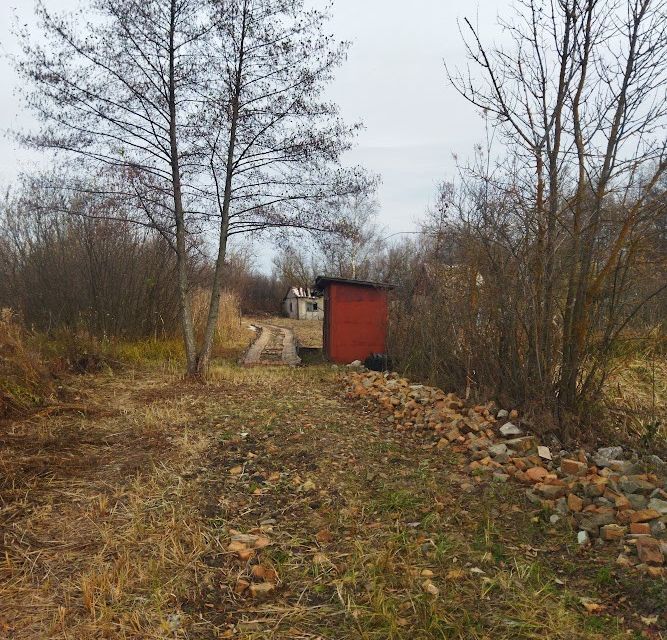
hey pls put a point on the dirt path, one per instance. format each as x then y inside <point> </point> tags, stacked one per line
<point>267,504</point>
<point>274,346</point>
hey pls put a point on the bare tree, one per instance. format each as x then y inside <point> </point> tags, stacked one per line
<point>79,262</point>
<point>579,100</point>
<point>353,252</point>
<point>202,113</point>
<point>117,91</point>
<point>274,157</point>
<point>295,266</point>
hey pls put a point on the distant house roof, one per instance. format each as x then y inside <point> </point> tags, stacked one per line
<point>322,281</point>
<point>301,292</point>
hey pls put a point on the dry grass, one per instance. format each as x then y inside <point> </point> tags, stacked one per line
<point>117,525</point>
<point>100,532</point>
<point>24,380</point>
<point>636,402</point>
<point>231,330</point>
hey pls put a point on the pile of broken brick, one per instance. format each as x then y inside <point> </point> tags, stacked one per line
<point>607,498</point>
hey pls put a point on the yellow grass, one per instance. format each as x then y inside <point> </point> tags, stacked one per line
<point>102,536</point>
<point>116,523</point>
<point>24,380</point>
<point>636,401</point>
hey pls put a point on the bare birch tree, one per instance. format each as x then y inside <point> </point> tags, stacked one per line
<point>115,90</point>
<point>275,154</point>
<point>206,114</point>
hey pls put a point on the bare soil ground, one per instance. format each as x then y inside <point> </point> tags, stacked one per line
<point>117,523</point>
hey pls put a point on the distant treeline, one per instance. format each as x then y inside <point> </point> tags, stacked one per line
<point>104,274</point>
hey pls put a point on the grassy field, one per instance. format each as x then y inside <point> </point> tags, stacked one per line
<point>117,517</point>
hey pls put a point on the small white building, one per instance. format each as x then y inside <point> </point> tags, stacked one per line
<point>303,304</point>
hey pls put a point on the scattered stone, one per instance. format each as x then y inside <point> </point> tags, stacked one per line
<point>645,515</point>
<point>624,561</point>
<point>573,467</point>
<point>605,455</point>
<point>621,466</point>
<point>592,522</point>
<point>430,588</point>
<point>510,430</point>
<point>637,501</point>
<point>544,453</point>
<point>583,538</point>
<point>241,586</point>
<point>521,444</point>
<point>561,506</point>
<point>594,489</point>
<point>634,484</point>
<point>658,462</point>
<point>536,474</point>
<point>640,528</point>
<point>574,502</point>
<point>453,434</point>
<point>264,572</point>
<point>648,550</point>
<point>621,502</point>
<point>497,449</point>
<point>261,589</point>
<point>550,491</point>
<point>610,496</point>
<point>591,606</point>
<point>658,505</point>
<point>612,532</point>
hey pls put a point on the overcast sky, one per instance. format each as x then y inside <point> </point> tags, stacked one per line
<point>393,81</point>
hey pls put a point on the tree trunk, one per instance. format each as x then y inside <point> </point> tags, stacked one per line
<point>181,244</point>
<point>204,356</point>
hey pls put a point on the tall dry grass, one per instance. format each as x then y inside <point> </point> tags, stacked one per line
<point>635,393</point>
<point>24,379</point>
<point>229,332</point>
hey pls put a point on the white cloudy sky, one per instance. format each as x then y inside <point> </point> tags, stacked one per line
<point>394,81</point>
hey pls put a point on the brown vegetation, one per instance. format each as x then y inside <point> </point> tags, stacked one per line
<point>24,379</point>
<point>128,525</point>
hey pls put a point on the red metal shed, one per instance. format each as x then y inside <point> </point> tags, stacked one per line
<point>355,318</point>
